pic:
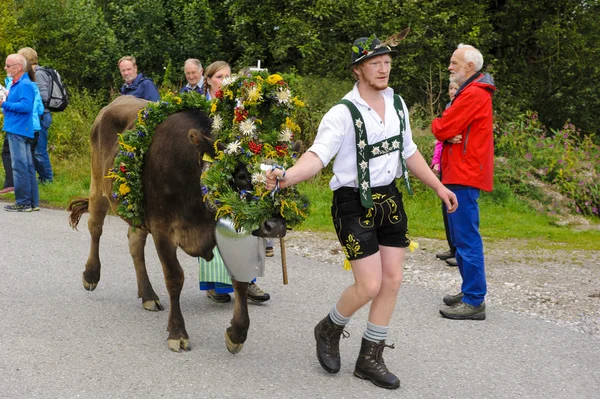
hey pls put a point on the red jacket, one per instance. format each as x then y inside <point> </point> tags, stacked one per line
<point>471,162</point>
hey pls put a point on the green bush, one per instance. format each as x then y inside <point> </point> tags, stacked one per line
<point>558,157</point>
<point>69,132</point>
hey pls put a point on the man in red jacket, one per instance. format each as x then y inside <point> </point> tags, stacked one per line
<point>465,128</point>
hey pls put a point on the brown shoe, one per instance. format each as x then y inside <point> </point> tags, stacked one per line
<point>219,298</point>
<point>255,294</point>
<point>327,335</point>
<point>269,252</point>
<point>370,365</point>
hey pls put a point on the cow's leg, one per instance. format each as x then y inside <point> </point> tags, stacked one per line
<point>137,243</point>
<point>98,206</point>
<point>236,334</point>
<point>167,252</point>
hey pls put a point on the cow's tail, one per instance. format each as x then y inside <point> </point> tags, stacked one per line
<point>77,207</point>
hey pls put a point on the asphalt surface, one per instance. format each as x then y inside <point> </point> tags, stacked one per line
<point>59,341</point>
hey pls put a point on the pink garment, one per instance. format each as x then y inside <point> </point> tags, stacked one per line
<point>437,153</point>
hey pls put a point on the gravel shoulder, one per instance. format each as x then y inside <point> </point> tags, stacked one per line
<point>559,286</point>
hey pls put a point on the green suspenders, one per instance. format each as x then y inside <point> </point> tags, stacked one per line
<point>365,151</point>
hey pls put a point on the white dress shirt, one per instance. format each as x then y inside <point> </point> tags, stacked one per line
<point>336,136</point>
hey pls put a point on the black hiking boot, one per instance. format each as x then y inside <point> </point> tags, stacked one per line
<point>328,336</point>
<point>370,365</point>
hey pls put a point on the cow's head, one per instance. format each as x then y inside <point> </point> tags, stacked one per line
<point>241,181</point>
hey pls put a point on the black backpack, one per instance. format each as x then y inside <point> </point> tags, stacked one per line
<point>58,98</point>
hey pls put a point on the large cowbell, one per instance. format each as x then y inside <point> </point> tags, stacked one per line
<point>242,253</point>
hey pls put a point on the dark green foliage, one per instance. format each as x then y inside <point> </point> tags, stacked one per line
<point>543,54</point>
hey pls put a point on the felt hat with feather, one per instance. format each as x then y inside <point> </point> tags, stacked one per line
<point>369,47</point>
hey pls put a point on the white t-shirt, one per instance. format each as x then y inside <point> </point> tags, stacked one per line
<point>336,136</point>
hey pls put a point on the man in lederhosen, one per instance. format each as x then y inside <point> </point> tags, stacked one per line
<point>369,135</point>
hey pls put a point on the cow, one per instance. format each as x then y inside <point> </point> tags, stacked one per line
<point>174,211</point>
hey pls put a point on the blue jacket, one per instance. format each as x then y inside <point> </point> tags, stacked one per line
<point>18,108</point>
<point>38,105</point>
<point>141,87</point>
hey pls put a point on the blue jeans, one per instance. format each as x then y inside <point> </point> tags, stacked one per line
<point>26,187</point>
<point>464,232</point>
<point>41,159</point>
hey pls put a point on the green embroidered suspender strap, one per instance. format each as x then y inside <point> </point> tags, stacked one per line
<point>365,151</point>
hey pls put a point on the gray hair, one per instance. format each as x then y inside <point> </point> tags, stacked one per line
<point>20,59</point>
<point>193,61</point>
<point>472,55</point>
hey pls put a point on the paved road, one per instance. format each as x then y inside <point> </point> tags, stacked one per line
<point>59,341</point>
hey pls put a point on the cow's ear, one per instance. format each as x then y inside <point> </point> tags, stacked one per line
<point>297,147</point>
<point>197,138</point>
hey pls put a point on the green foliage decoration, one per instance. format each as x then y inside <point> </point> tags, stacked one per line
<point>254,120</point>
<point>134,144</point>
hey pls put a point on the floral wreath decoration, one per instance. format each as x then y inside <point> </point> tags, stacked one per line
<point>135,143</point>
<point>253,121</point>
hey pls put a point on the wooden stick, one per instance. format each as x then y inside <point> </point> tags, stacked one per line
<point>283,260</point>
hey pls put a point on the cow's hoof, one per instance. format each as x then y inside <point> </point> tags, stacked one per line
<point>153,305</point>
<point>88,286</point>
<point>231,346</point>
<point>176,344</point>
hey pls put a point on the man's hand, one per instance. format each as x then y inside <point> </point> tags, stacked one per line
<point>273,177</point>
<point>455,140</point>
<point>449,198</point>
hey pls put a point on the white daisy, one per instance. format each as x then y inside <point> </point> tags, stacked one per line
<point>286,135</point>
<point>229,80</point>
<point>234,148</point>
<point>364,185</point>
<point>376,151</point>
<point>358,123</point>
<point>284,96</point>
<point>363,165</point>
<point>259,178</point>
<point>395,144</point>
<point>247,127</point>
<point>362,144</point>
<point>385,145</point>
<point>217,122</point>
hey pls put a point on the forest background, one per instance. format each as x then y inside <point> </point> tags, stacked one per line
<point>544,56</point>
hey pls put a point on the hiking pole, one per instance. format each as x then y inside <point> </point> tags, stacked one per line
<point>283,260</point>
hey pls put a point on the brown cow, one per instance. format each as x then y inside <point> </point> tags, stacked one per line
<point>175,214</point>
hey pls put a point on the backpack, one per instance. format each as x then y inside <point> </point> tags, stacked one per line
<point>58,98</point>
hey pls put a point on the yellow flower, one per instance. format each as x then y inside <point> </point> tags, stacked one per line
<point>126,147</point>
<point>140,119</point>
<point>177,100</point>
<point>291,125</point>
<point>273,79</point>
<point>228,93</point>
<point>297,102</point>
<point>213,107</point>
<point>124,189</point>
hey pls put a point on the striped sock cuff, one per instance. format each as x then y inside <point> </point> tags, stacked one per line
<point>376,333</point>
<point>337,318</point>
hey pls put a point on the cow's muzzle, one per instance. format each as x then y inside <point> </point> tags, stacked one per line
<point>272,228</point>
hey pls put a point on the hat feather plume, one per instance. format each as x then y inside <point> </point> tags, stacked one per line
<point>396,38</point>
